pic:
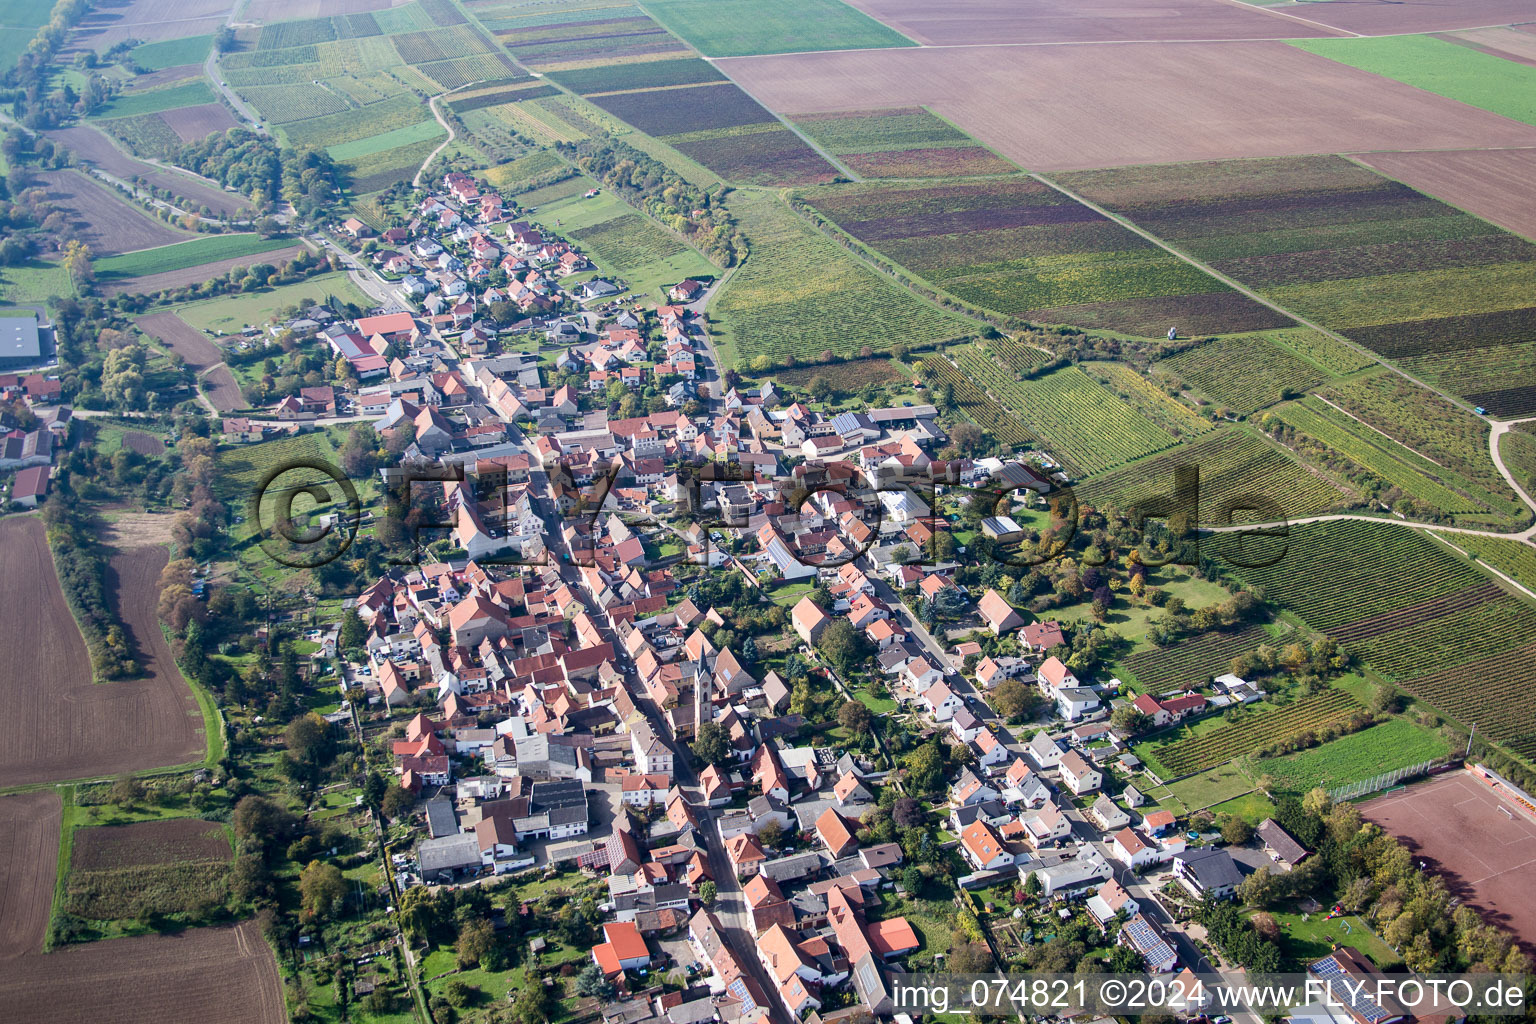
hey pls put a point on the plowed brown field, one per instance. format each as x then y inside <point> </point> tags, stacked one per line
<point>1052,108</point>
<point>29,858</point>
<point>207,975</point>
<point>148,842</point>
<point>1495,184</point>
<point>61,725</point>
<point>192,124</point>
<point>90,146</point>
<point>148,20</point>
<point>956,22</point>
<point>103,221</point>
<point>1394,17</point>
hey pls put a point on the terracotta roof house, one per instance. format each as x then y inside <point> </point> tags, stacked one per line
<point>834,832</point>
<point>998,613</point>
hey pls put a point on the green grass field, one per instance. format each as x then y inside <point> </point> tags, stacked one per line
<point>745,28</point>
<point>231,313</point>
<point>34,281</point>
<point>190,94</point>
<point>424,131</point>
<point>172,53</point>
<point>1209,788</point>
<point>181,255</point>
<point>19,22</point>
<point>625,243</point>
<point>1393,744</point>
<point>1445,69</point>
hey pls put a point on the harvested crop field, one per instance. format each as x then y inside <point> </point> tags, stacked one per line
<point>1498,872</point>
<point>183,339</point>
<point>1078,21</point>
<point>192,124</point>
<point>147,20</point>
<point>148,842</point>
<point>91,146</point>
<point>208,975</point>
<point>1389,17</point>
<point>29,844</point>
<point>64,726</point>
<point>1132,103</point>
<point>171,279</point>
<point>101,220</point>
<point>1495,184</point>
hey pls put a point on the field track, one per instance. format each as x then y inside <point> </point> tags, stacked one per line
<point>207,975</point>
<point>91,146</point>
<point>62,725</point>
<point>1078,21</point>
<point>1393,17</point>
<point>149,21</point>
<point>29,845</point>
<point>1132,103</point>
<point>151,283</point>
<point>199,352</point>
<point>1497,873</point>
<point>102,220</point>
<point>1495,184</point>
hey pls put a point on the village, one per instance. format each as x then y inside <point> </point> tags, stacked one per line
<point>627,665</point>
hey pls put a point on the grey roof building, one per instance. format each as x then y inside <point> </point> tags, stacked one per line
<point>442,859</point>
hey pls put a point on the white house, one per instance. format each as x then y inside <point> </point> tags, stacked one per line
<point>1078,775</point>
<point>1044,751</point>
<point>984,848</point>
<point>941,701</point>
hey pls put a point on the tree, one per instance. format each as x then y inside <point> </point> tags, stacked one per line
<point>321,889</point>
<point>477,940</point>
<point>1127,719</point>
<point>710,744</point>
<point>967,437</point>
<point>842,645</point>
<point>707,894</point>
<point>1316,802</point>
<point>969,958</point>
<point>821,388</point>
<point>1015,701</point>
<point>1236,830</point>
<point>397,802</point>
<point>854,717</point>
<point>1259,889</point>
<point>925,768</point>
<point>77,260</point>
<point>592,983</point>
<point>261,824</point>
<point>127,791</point>
<point>1265,924</point>
<point>906,812</point>
<point>912,879</point>
<point>771,833</point>
<point>309,740</point>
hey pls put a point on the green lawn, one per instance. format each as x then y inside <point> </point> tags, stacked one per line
<point>877,705</point>
<point>1132,618</point>
<point>1393,744</point>
<point>189,94</point>
<point>172,53</point>
<point>745,28</point>
<point>231,313</point>
<point>1314,938</point>
<point>407,136</point>
<point>624,243</point>
<point>35,282</point>
<point>1252,807</point>
<point>182,255</point>
<point>1446,69</point>
<point>1212,787</point>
